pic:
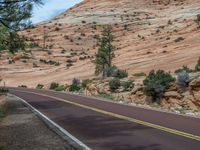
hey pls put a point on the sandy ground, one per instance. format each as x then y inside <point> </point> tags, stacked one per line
<point>22,130</point>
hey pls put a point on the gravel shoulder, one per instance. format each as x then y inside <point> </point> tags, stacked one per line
<point>21,129</point>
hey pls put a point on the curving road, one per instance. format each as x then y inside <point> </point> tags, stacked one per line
<point>104,125</point>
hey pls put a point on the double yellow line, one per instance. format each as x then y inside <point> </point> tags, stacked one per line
<point>172,131</point>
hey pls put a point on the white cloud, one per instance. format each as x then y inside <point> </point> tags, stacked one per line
<point>51,8</point>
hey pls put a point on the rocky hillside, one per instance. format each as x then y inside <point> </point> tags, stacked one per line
<point>149,34</point>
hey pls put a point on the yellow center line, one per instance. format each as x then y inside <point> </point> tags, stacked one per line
<point>169,130</point>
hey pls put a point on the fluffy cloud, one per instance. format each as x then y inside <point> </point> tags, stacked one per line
<point>51,8</point>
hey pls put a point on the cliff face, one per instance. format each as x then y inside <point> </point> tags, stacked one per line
<point>149,34</point>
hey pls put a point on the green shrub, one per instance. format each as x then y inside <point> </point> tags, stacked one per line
<point>57,29</point>
<point>113,71</point>
<point>184,68</point>
<point>106,95</point>
<point>127,85</point>
<point>63,51</point>
<point>69,61</point>
<point>60,88</point>
<point>57,64</point>
<point>69,65</point>
<point>179,39</point>
<point>53,86</point>
<point>52,62</point>
<point>183,79</point>
<point>110,71</point>
<point>83,21</point>
<point>198,20</point>
<point>2,147</point>
<point>140,74</point>
<point>85,83</point>
<point>39,86</point>
<point>121,74</point>
<point>114,84</point>
<point>197,67</point>
<point>35,65</point>
<point>11,61</point>
<point>156,83</point>
<point>2,111</point>
<point>23,86</point>
<point>75,86</point>
<point>3,90</point>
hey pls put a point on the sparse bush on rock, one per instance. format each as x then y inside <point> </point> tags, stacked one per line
<point>75,86</point>
<point>110,71</point>
<point>179,39</point>
<point>140,74</point>
<point>85,83</point>
<point>2,114</point>
<point>53,85</point>
<point>57,29</point>
<point>156,83</point>
<point>127,85</point>
<point>35,65</point>
<point>183,79</point>
<point>197,67</point>
<point>198,20</point>
<point>63,51</point>
<point>114,84</point>
<point>113,71</point>
<point>121,74</point>
<point>23,86</point>
<point>60,88</point>
<point>184,68</point>
<point>3,90</point>
<point>40,86</point>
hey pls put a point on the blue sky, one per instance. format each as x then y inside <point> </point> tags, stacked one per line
<point>51,8</point>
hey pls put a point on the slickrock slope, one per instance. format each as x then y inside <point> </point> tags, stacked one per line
<point>149,34</point>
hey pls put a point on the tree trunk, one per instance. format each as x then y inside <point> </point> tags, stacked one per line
<point>104,74</point>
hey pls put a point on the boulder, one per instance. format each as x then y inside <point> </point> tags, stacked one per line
<point>173,101</point>
<point>173,87</point>
<point>139,93</point>
<point>91,90</point>
<point>189,101</point>
<point>195,85</point>
<point>164,103</point>
<point>137,87</point>
<point>172,94</point>
<point>137,98</point>
<point>196,95</point>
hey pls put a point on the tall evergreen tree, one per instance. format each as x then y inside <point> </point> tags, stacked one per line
<point>14,15</point>
<point>105,54</point>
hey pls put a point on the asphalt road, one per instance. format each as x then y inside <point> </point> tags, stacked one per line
<point>103,125</point>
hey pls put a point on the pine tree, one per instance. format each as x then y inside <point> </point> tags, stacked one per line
<point>14,15</point>
<point>103,58</point>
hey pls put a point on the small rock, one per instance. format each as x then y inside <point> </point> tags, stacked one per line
<point>172,94</point>
<point>195,85</point>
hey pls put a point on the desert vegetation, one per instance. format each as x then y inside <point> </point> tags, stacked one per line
<point>11,20</point>
<point>57,87</point>
<point>157,89</point>
<point>119,50</point>
<point>156,83</point>
<point>198,20</point>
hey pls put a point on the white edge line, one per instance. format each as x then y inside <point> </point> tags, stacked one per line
<point>56,128</point>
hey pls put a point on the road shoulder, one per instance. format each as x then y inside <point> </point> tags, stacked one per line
<point>21,129</point>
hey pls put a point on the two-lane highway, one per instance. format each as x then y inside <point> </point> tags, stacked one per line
<point>104,125</point>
